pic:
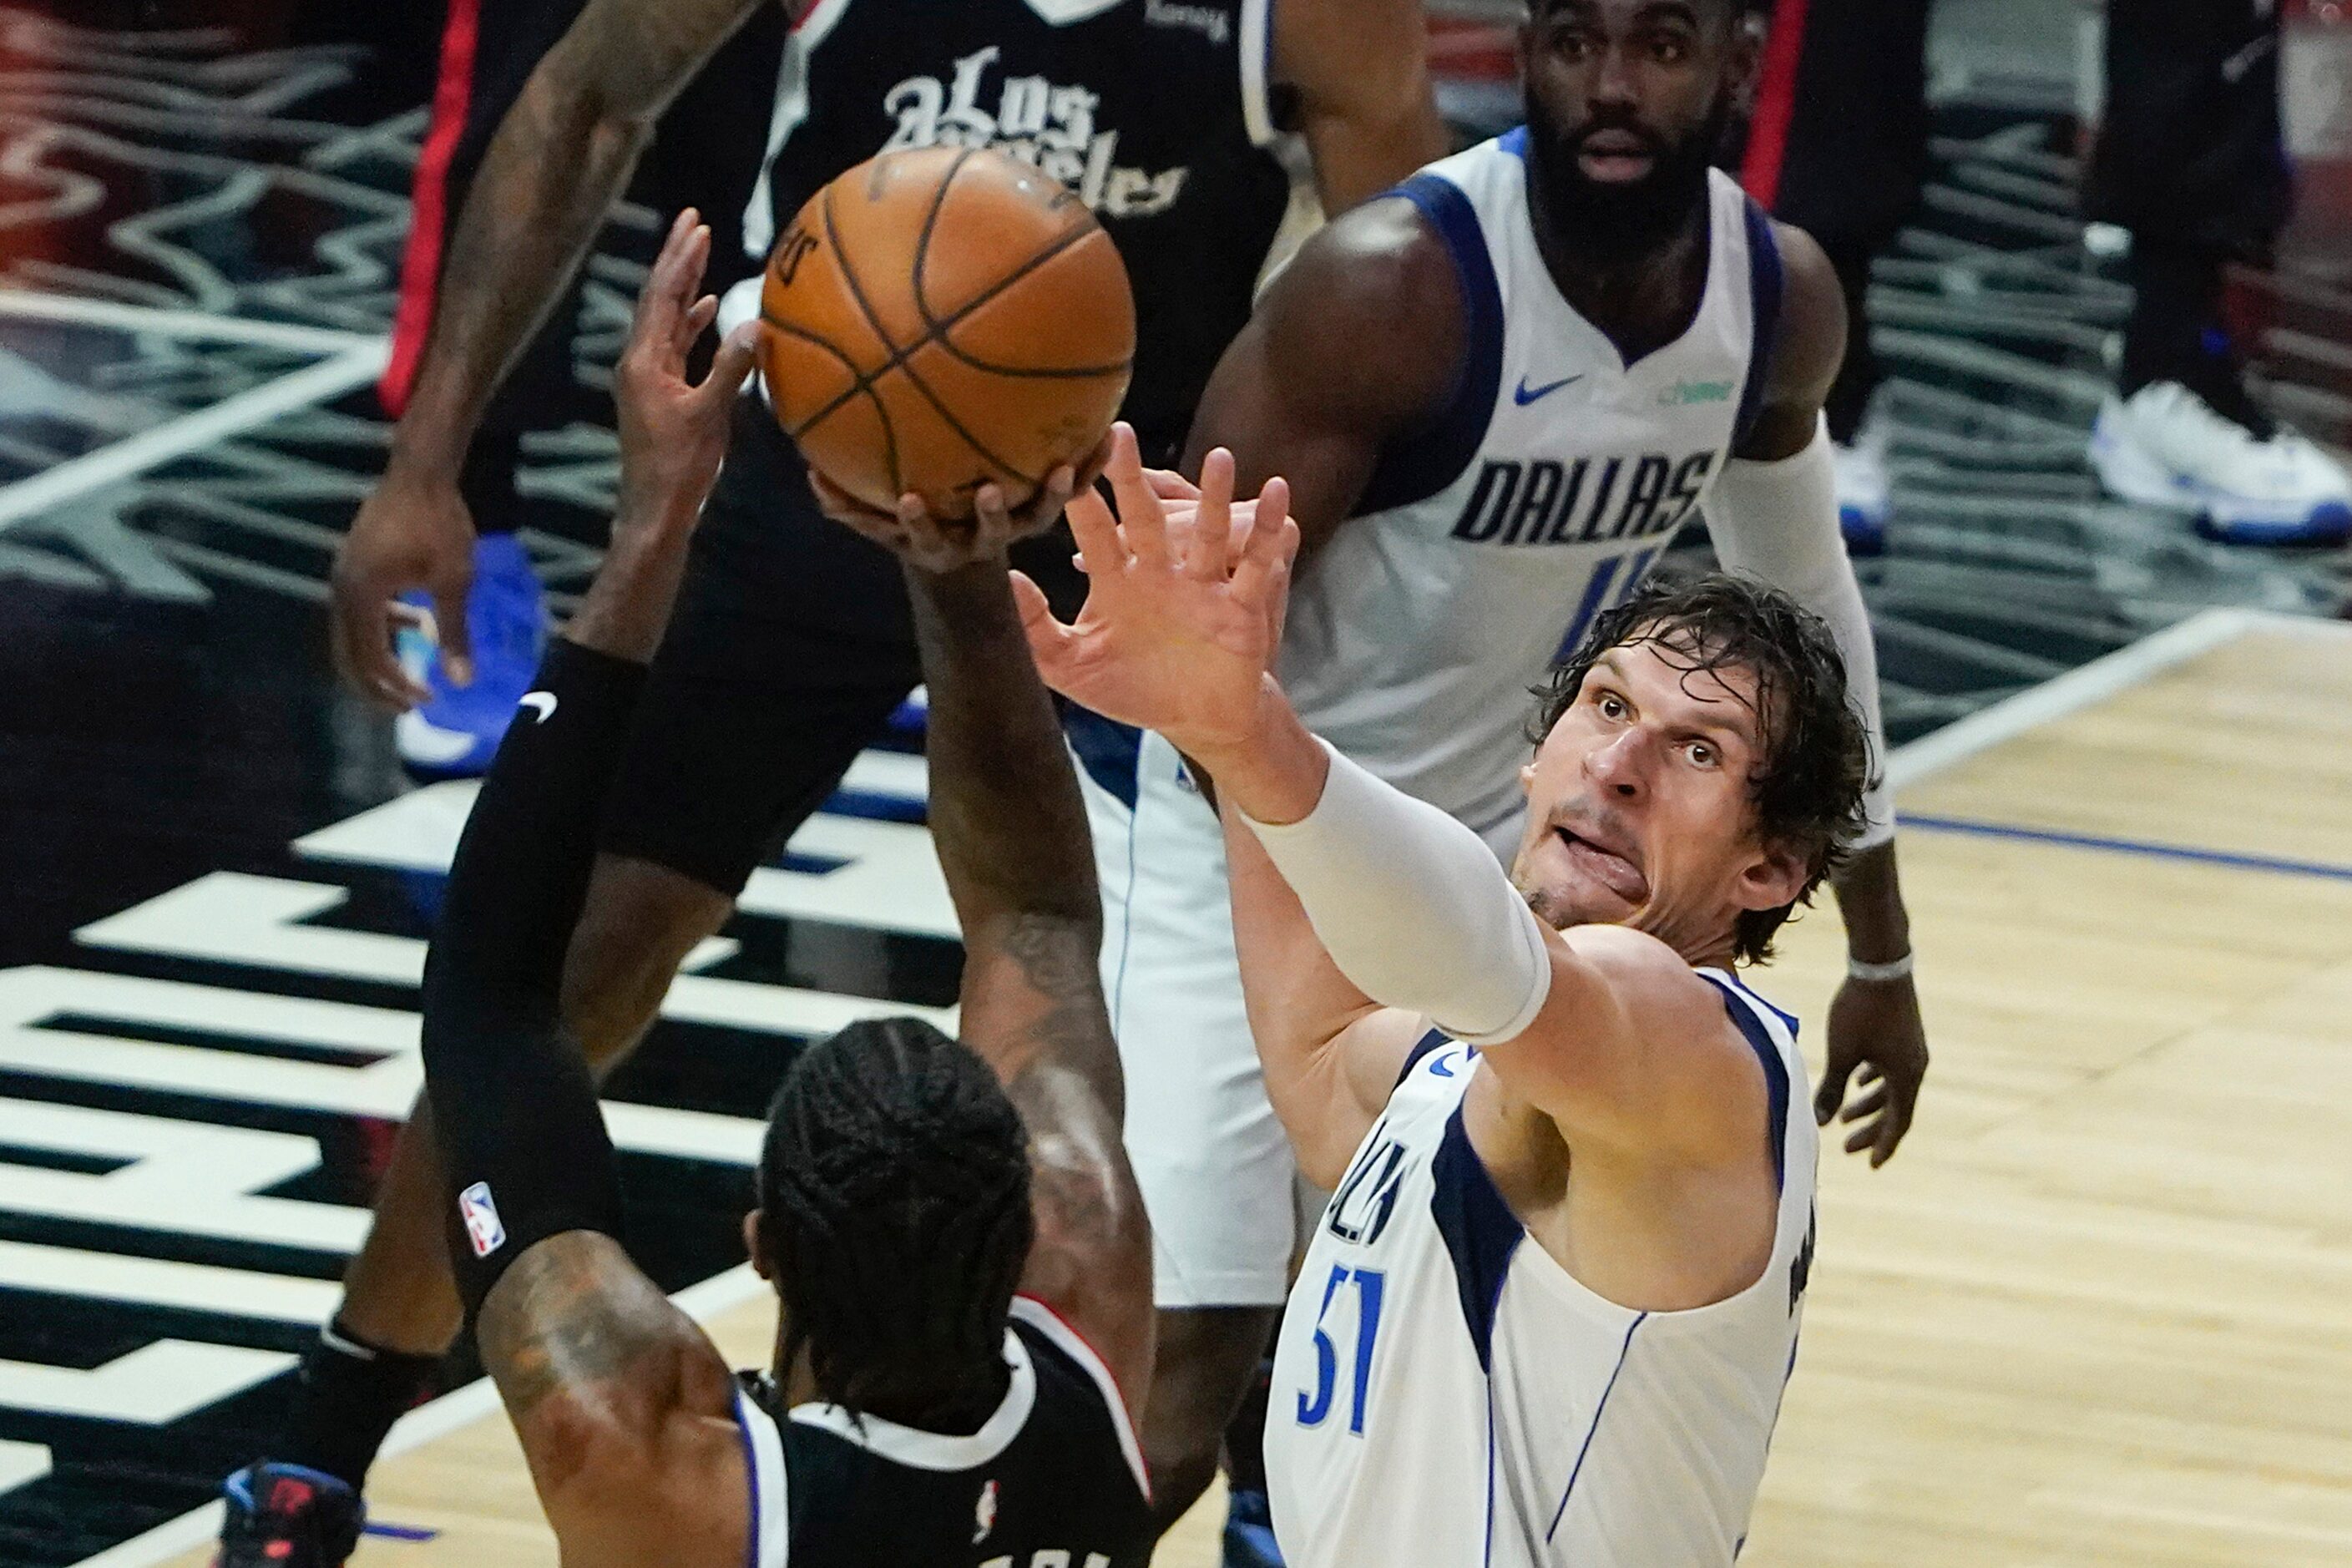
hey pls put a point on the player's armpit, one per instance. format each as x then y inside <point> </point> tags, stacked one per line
<point>1033,1009</point>
<point>624,1408</point>
<point>1633,1048</point>
<point>1357,342</point>
<point>1361,68</point>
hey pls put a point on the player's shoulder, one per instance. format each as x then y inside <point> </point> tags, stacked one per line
<point>1370,304</point>
<point>1634,958</point>
<point>1810,346</point>
<point>1664,998</point>
<point>1079,1401</point>
<point>1373,261</point>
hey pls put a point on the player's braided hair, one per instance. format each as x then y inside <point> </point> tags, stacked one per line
<point>894,1215</point>
<point>1808,792</point>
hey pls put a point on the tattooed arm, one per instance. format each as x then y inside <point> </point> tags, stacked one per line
<point>1012,834</point>
<point>624,1408</point>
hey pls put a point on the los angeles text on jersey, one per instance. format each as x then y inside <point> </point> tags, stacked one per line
<point>1543,501</point>
<point>1036,121</point>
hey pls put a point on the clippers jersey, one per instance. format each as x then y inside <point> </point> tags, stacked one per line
<point>1486,543</point>
<point>1054,1480</point>
<point>1446,1394</point>
<point>1156,112</point>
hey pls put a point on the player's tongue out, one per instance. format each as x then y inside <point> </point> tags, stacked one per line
<point>1607,868</point>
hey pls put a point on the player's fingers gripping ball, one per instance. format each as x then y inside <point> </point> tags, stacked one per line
<point>938,320</point>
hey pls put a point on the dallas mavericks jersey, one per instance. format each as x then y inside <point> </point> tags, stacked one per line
<point>1488,541</point>
<point>1158,112</point>
<point>1055,1479</point>
<point>1446,1394</point>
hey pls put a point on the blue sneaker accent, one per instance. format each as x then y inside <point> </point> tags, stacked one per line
<point>457,732</point>
<point>2330,522</point>
<point>287,1516</point>
<point>1865,532</point>
<point>1249,1532</point>
<point>911,717</point>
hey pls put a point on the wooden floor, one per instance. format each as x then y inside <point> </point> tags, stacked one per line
<point>2099,1310</point>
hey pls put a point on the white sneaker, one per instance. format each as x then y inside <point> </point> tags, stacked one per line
<point>1864,492</point>
<point>2167,447</point>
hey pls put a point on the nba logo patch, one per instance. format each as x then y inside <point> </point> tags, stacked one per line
<point>481,1213</point>
<point>985,1515</point>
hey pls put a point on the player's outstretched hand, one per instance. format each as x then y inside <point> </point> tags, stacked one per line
<point>943,544</point>
<point>1877,1041</point>
<point>674,432</point>
<point>1181,623</point>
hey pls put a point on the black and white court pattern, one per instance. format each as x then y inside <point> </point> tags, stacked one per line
<point>215,881</point>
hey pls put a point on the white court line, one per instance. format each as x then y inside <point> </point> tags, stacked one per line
<point>74,310</point>
<point>134,454</point>
<point>458,1407</point>
<point>2095,682</point>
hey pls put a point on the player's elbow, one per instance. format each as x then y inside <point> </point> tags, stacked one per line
<point>594,109</point>
<point>582,1448</point>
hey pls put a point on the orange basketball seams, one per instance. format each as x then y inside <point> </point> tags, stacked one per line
<point>938,320</point>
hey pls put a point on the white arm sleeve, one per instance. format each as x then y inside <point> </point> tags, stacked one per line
<point>1412,907</point>
<point>1779,522</point>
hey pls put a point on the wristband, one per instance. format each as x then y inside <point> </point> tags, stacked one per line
<point>1894,969</point>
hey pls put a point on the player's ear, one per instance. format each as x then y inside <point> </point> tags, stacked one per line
<point>751,1245</point>
<point>1749,26</point>
<point>1528,779</point>
<point>1774,876</point>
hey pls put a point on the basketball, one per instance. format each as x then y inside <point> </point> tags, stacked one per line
<point>936,319</point>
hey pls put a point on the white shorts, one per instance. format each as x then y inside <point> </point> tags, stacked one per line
<point>1214,1164</point>
<point>1218,1178</point>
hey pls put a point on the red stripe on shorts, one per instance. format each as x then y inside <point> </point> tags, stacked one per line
<point>1776,105</point>
<point>420,260</point>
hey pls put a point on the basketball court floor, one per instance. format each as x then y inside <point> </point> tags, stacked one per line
<point>2098,1310</point>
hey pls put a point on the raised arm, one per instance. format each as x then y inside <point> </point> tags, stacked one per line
<point>1361,68</point>
<point>550,174</point>
<point>1774,515</point>
<point>1011,831</point>
<point>623,1406</point>
<point>1331,1054</point>
<point>1607,1034</point>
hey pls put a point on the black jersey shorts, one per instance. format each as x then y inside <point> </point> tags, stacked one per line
<point>790,645</point>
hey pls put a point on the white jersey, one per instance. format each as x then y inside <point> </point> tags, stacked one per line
<point>1446,1394</point>
<point>1489,541</point>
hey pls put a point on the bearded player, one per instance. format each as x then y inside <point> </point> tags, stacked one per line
<point>1497,396</point>
<point>1549,1313</point>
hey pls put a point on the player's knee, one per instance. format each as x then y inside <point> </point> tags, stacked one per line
<point>638,924</point>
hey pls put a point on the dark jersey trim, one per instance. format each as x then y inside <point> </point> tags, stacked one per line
<point>1776,1073</point>
<point>1106,748</point>
<point>1767,282</point>
<point>1428,1046</point>
<point>1420,465</point>
<point>1480,1232</point>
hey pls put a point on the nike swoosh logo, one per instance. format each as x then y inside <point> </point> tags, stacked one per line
<point>1523,394</point>
<point>541,703</point>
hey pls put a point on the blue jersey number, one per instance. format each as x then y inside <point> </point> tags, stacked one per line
<point>1316,1408</point>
